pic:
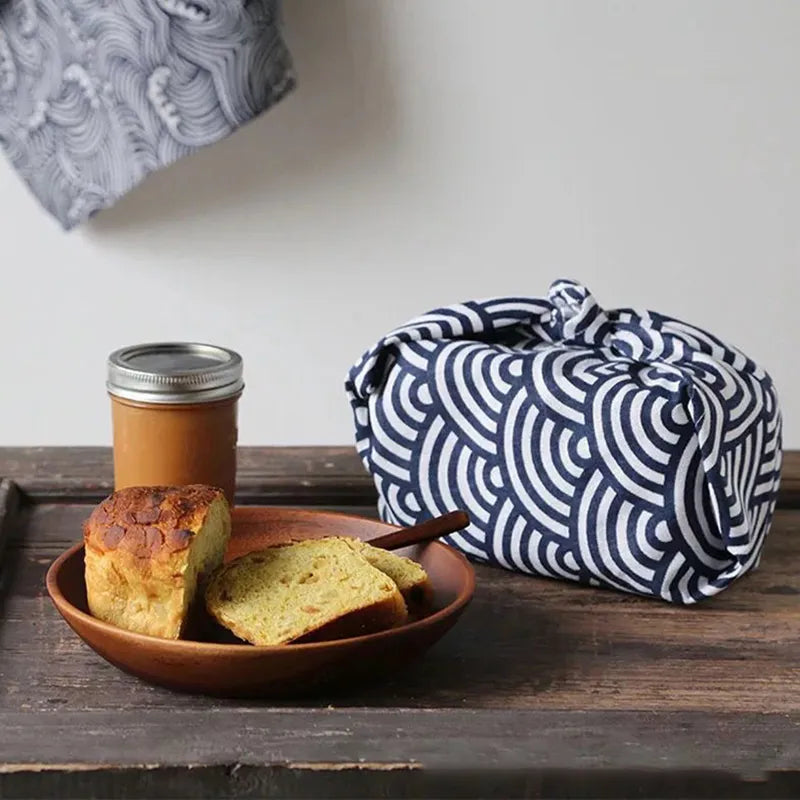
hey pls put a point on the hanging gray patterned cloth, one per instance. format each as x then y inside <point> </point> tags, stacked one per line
<point>97,94</point>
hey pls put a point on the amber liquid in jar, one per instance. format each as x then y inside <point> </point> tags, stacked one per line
<point>174,412</point>
<point>157,445</point>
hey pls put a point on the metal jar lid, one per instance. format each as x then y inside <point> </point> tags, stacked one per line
<point>174,372</point>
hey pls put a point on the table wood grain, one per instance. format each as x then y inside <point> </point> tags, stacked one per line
<point>288,475</point>
<point>544,689</point>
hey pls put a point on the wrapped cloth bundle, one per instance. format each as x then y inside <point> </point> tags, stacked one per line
<point>622,449</point>
<point>97,94</point>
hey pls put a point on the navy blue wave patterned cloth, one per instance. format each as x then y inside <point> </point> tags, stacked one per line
<point>619,449</point>
<point>97,94</point>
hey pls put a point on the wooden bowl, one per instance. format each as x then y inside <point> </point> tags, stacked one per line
<point>286,670</point>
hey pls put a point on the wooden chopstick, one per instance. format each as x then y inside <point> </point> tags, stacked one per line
<point>424,532</point>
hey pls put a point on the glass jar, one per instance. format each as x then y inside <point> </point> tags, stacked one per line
<point>174,410</point>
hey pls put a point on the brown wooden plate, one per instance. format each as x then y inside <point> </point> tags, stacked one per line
<point>286,670</point>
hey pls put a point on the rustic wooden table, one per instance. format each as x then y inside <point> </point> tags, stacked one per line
<point>543,689</point>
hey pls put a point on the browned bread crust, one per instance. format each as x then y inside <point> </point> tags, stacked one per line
<point>148,550</point>
<point>149,522</point>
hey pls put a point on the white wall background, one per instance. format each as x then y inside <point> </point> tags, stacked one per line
<point>436,151</point>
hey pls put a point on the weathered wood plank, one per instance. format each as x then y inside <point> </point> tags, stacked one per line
<point>524,643</point>
<point>401,753</point>
<point>278,475</point>
<point>543,689</point>
<point>329,783</point>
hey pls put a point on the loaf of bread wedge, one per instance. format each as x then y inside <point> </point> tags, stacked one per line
<point>309,590</point>
<point>149,552</point>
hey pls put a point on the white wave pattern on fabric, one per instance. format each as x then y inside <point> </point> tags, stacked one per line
<point>97,94</point>
<point>616,448</point>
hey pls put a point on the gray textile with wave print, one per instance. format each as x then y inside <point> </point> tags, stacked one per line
<point>97,94</point>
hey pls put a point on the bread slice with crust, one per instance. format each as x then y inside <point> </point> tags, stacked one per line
<point>411,579</point>
<point>147,552</point>
<point>312,589</point>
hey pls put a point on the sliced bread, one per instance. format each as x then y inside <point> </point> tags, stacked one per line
<point>411,579</point>
<point>317,588</point>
